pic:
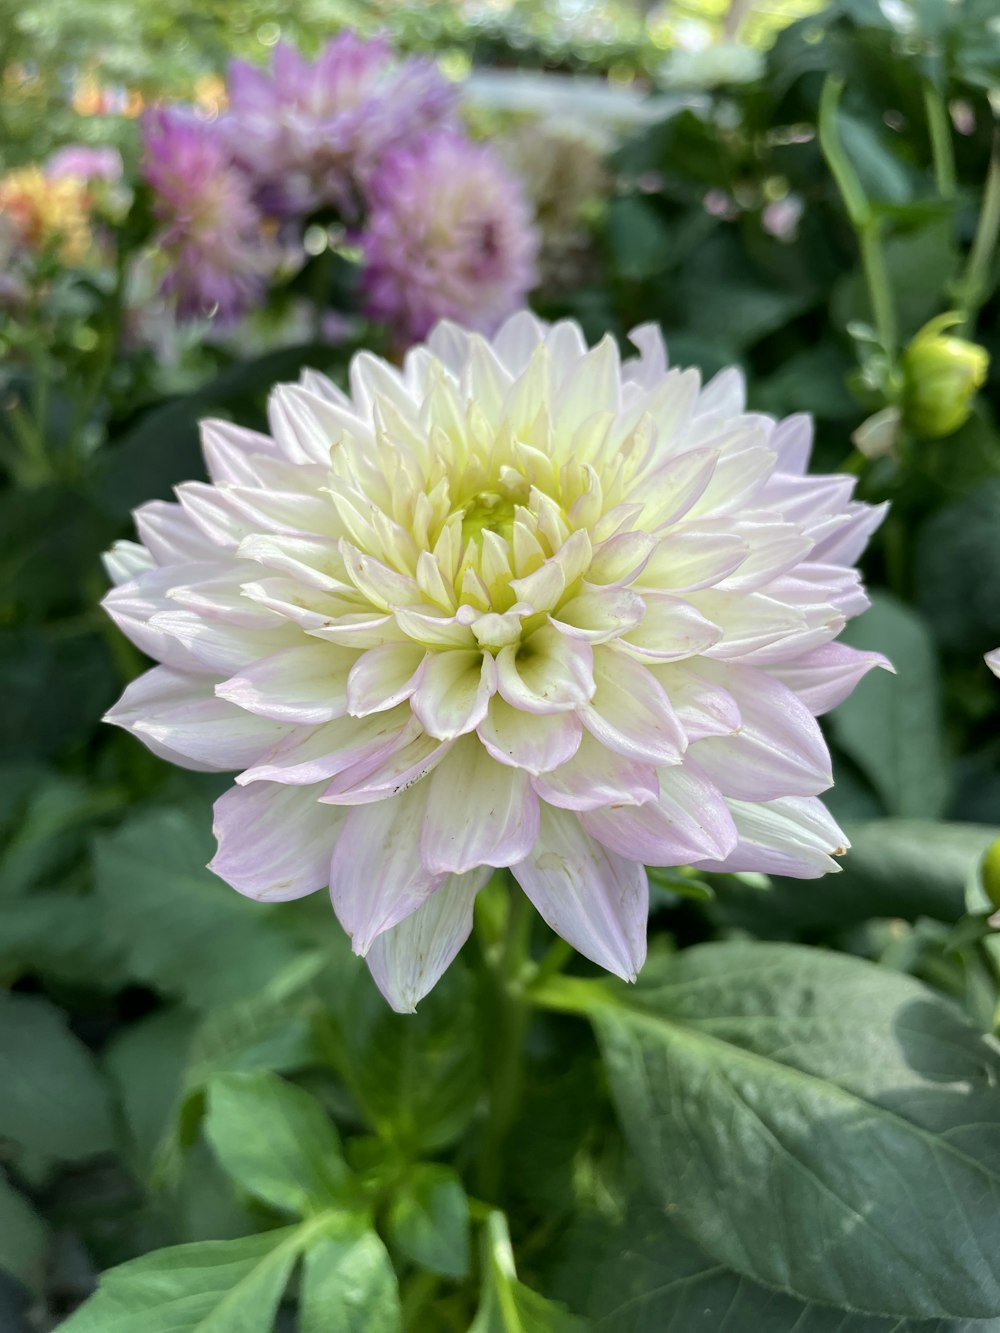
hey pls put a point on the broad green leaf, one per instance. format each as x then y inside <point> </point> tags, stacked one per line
<point>59,936</point>
<point>223,1286</point>
<point>804,1114</point>
<point>54,1100</point>
<point>276,1141</point>
<point>429,1220</point>
<point>959,539</point>
<point>643,1275</point>
<point>638,238</point>
<point>506,1305</point>
<point>181,928</point>
<point>23,1242</point>
<point>348,1284</point>
<point>147,1063</point>
<point>906,868</point>
<point>891,725</point>
<point>49,833</point>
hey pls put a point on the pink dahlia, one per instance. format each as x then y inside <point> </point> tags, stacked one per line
<point>449,236</point>
<point>517,604</point>
<point>310,133</point>
<point>82,162</point>
<point>211,233</point>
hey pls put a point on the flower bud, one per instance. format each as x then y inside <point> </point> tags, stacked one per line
<point>989,871</point>
<point>942,375</point>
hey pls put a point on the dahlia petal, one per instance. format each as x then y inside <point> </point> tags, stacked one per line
<point>300,424</point>
<point>845,546</point>
<point>620,559</point>
<point>792,441</point>
<point>630,712</point>
<point>274,841</point>
<point>179,718</point>
<point>315,562</point>
<point>378,778</point>
<point>651,364</point>
<point>230,450</point>
<point>671,628</point>
<point>738,477</point>
<point>992,660</point>
<point>316,754</point>
<point>779,749</point>
<point>536,742</point>
<point>547,674</point>
<point>362,629</point>
<point>479,812</point>
<point>596,777</point>
<point>703,707</point>
<point>410,958</point>
<point>218,646</point>
<point>824,677</point>
<point>675,487</point>
<point>170,535</point>
<point>454,692</point>
<point>376,877</point>
<point>599,614</point>
<point>725,394</point>
<point>305,685</point>
<point>795,836</point>
<point>692,556</point>
<point>774,548</point>
<point>596,900</point>
<point>126,561</point>
<point>383,677</point>
<point>430,627</point>
<point>688,820</point>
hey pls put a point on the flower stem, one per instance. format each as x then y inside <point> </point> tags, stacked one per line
<point>507,1017</point>
<point>975,284</point>
<point>941,148</point>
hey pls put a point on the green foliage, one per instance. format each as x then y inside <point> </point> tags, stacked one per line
<point>429,1220</point>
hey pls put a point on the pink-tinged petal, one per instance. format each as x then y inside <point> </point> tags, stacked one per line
<point>703,707</point>
<point>795,836</point>
<point>845,545</point>
<point>620,560</point>
<point>315,755</point>
<point>376,876</point>
<point>132,606</point>
<point>739,477</point>
<point>383,677</point>
<point>693,556</point>
<point>675,487</point>
<point>274,841</point>
<point>479,812</point>
<point>596,900</point>
<point>360,630</point>
<point>779,749</point>
<point>126,561</point>
<point>427,625</point>
<point>547,674</point>
<point>171,536</point>
<point>595,777</point>
<point>689,820</point>
<point>305,685</point>
<point>220,647</point>
<point>305,426</point>
<point>825,676</point>
<point>454,692</point>
<point>724,395</point>
<point>631,713</point>
<point>751,622</point>
<point>599,614</point>
<point>378,779</point>
<point>179,718</point>
<point>408,960</point>
<point>385,588</point>
<point>792,440</point>
<point>992,660</point>
<point>536,742</point>
<point>671,629</point>
<point>774,549</point>
<point>230,451</point>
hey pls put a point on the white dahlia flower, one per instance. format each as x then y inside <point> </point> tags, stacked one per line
<point>993,661</point>
<point>517,604</point>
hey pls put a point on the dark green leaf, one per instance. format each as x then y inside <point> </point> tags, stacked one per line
<point>844,1100</point>
<point>146,1061</point>
<point>54,1100</point>
<point>638,238</point>
<point>223,1286</point>
<point>891,725</point>
<point>348,1285</point>
<point>429,1220</point>
<point>276,1141</point>
<point>964,611</point>
<point>23,1240</point>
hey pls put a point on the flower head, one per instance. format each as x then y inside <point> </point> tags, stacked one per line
<point>82,162</point>
<point>517,604</point>
<point>310,133</point>
<point>449,236</point>
<point>212,234</point>
<point>44,212</point>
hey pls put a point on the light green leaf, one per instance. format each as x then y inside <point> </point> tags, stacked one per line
<point>276,1141</point>
<point>146,1061</point>
<point>54,1100</point>
<point>181,929</point>
<point>348,1284</point>
<point>23,1242</point>
<point>222,1286</point>
<point>804,1114</point>
<point>429,1220</point>
<point>891,725</point>
<point>506,1304</point>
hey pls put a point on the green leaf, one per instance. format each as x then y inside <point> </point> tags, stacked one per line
<point>429,1220</point>
<point>147,1061</point>
<point>803,1114</point>
<point>23,1241</point>
<point>276,1141</point>
<point>891,725</point>
<point>964,611</point>
<point>222,1286</point>
<point>643,1275</point>
<point>638,238</point>
<point>348,1284</point>
<point>54,1100</point>
<point>507,1305</point>
<point>180,927</point>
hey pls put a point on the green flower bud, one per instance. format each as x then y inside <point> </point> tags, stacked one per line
<point>989,870</point>
<point>942,374</point>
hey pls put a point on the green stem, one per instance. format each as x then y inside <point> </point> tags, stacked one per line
<point>877,281</point>
<point>941,146</point>
<point>508,1015</point>
<point>975,284</point>
<point>111,335</point>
